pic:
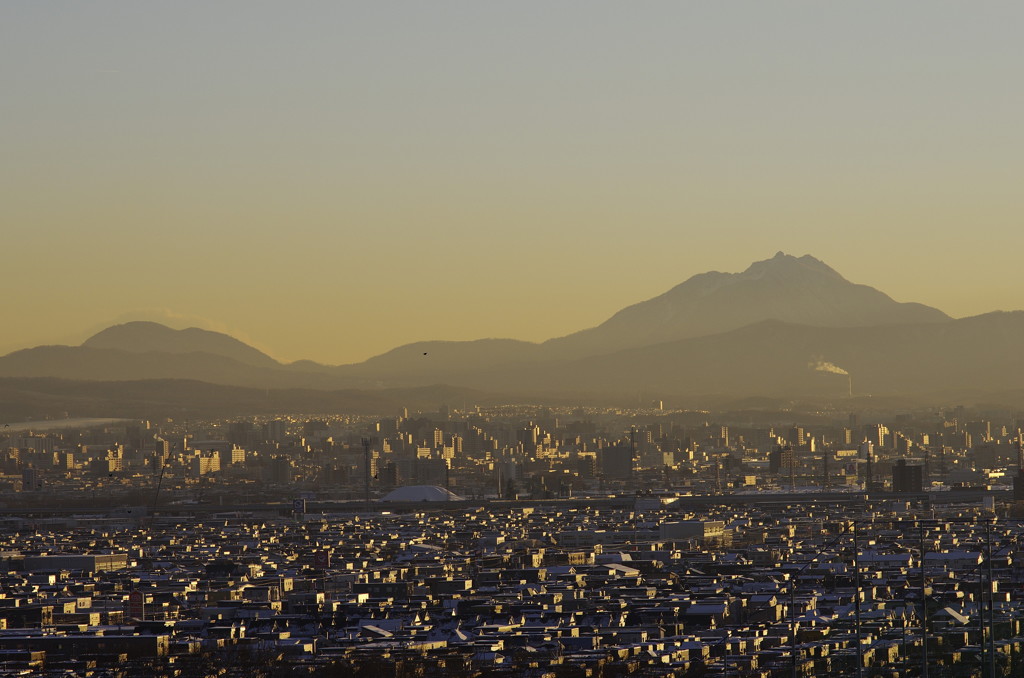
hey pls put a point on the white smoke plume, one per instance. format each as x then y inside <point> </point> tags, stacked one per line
<point>823,366</point>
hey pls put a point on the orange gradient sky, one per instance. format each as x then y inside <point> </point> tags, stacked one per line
<point>329,180</point>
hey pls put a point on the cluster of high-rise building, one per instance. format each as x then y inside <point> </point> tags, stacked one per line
<point>514,452</point>
<point>550,543</point>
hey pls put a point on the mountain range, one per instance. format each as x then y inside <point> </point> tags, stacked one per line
<point>764,332</point>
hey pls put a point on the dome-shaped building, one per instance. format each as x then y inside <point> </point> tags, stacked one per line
<point>421,493</point>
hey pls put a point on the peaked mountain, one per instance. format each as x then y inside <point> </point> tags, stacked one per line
<point>760,332</point>
<point>150,337</point>
<point>802,291</point>
<point>797,290</point>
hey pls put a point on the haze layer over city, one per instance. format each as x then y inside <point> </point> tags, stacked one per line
<point>522,340</point>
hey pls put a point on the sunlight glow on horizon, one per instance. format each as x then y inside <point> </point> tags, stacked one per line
<point>336,182</point>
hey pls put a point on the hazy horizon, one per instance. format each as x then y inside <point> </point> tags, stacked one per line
<point>331,181</point>
<point>180,322</point>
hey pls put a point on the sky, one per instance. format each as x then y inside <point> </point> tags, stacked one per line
<point>329,180</point>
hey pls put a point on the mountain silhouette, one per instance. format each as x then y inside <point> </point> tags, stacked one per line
<point>777,359</point>
<point>757,333</point>
<point>107,364</point>
<point>800,290</point>
<point>146,337</point>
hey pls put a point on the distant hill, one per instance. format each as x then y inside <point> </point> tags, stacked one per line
<point>108,364</point>
<point>431,360</point>
<point>722,336</point>
<point>147,337</point>
<point>776,359</point>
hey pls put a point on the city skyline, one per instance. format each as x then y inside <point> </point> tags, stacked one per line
<point>331,183</point>
<point>496,540</point>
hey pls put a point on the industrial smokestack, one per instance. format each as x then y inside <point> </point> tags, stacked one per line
<point>825,366</point>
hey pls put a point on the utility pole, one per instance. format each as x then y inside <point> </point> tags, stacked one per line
<point>792,622</point>
<point>991,601</point>
<point>366,471</point>
<point>792,470</point>
<point>869,480</point>
<point>159,483</point>
<point>924,611</point>
<point>826,481</point>
<point>856,599</point>
<point>632,456</point>
<point>982,642</point>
